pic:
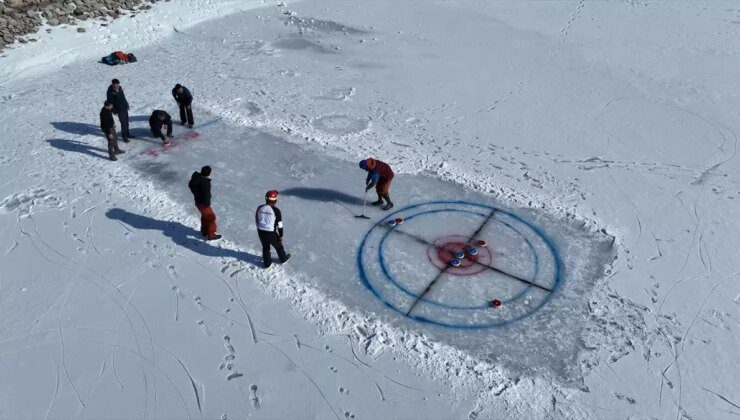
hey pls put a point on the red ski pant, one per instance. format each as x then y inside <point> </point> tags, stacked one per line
<point>207,221</point>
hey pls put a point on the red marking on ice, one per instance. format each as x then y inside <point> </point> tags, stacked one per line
<point>496,303</point>
<point>155,151</point>
<point>443,252</point>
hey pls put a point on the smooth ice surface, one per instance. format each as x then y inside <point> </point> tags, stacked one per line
<point>374,268</point>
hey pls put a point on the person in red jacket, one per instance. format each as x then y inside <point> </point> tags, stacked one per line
<point>379,175</point>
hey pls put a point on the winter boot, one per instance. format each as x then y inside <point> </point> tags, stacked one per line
<point>120,152</point>
<point>287,257</point>
<point>378,203</point>
<point>214,237</point>
<point>112,157</point>
<point>389,204</point>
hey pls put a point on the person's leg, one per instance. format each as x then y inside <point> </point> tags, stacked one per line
<point>278,244</point>
<point>182,113</point>
<point>169,130</point>
<point>191,120</point>
<point>383,191</point>
<point>203,221</point>
<point>266,254</point>
<point>207,222</point>
<point>115,141</point>
<point>211,227</point>
<point>111,138</point>
<point>123,118</point>
<point>379,188</point>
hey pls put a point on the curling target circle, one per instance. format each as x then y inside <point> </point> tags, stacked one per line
<point>450,261</point>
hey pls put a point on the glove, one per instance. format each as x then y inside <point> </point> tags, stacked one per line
<point>370,185</point>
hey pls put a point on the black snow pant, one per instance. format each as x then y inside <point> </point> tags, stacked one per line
<point>123,118</point>
<point>112,142</point>
<point>267,239</point>
<point>186,110</point>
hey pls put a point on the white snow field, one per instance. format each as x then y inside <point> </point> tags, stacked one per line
<point>591,145</point>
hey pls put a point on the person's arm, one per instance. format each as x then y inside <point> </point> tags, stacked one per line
<point>278,222</point>
<point>158,129</point>
<point>111,98</point>
<point>174,95</point>
<point>372,179</point>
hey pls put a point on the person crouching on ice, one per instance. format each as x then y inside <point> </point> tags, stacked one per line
<point>270,229</point>
<point>200,185</point>
<point>379,176</point>
<point>157,121</point>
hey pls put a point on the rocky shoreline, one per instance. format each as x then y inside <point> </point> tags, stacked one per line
<point>19,18</point>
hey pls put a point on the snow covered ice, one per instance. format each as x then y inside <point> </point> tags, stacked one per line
<point>591,145</point>
<point>320,197</point>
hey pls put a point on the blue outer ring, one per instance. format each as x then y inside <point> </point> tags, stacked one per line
<point>557,276</point>
<point>384,269</point>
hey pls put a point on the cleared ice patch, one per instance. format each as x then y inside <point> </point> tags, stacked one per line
<point>341,124</point>
<point>298,43</point>
<point>540,267</point>
<point>321,25</point>
<point>252,47</point>
<point>338,93</point>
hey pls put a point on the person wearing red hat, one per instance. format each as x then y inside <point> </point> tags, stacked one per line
<point>379,175</point>
<point>269,222</point>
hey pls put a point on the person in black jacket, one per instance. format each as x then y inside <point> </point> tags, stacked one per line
<point>184,100</point>
<point>108,126</point>
<point>157,121</point>
<point>200,186</point>
<point>120,107</point>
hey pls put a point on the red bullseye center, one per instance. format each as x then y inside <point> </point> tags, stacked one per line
<point>443,256</point>
<point>446,253</point>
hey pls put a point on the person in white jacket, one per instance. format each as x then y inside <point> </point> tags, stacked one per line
<point>269,222</point>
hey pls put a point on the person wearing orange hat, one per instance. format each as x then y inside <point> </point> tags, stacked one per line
<point>269,222</point>
<point>379,175</point>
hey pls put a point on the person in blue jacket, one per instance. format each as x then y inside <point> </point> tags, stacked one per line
<point>184,100</point>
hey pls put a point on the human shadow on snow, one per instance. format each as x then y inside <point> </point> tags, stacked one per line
<point>85,129</point>
<point>77,128</point>
<point>182,235</point>
<point>79,147</point>
<point>321,194</point>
